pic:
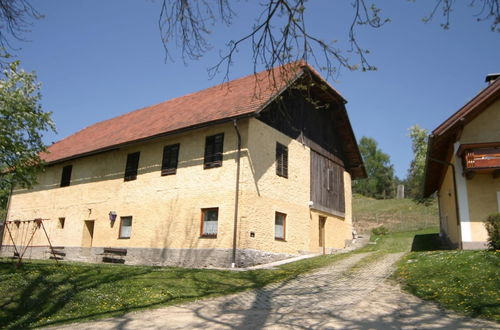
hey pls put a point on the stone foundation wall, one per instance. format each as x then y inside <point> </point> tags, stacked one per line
<point>190,258</point>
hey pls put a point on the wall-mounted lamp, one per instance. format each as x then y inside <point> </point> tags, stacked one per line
<point>112,217</point>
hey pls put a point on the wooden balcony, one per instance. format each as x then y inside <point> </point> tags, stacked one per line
<point>480,158</point>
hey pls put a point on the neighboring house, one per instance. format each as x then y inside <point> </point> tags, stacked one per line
<point>253,170</point>
<point>463,166</point>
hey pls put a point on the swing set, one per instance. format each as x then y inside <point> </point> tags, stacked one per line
<point>27,233</point>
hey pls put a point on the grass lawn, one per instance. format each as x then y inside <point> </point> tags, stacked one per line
<point>465,281</point>
<point>41,293</point>
<point>395,242</point>
<point>362,205</point>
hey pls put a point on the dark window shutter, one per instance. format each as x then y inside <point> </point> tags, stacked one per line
<point>213,150</point>
<point>66,175</point>
<point>132,166</point>
<point>281,160</point>
<point>170,159</point>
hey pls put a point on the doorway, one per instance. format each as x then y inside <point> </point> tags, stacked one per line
<point>88,233</point>
<point>322,221</point>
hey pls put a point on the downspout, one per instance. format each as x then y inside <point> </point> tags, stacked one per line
<point>457,209</point>
<point>237,193</point>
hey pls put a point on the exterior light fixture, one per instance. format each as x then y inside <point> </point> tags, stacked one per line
<point>112,216</point>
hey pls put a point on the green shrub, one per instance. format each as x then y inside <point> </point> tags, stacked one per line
<point>380,231</point>
<point>493,228</point>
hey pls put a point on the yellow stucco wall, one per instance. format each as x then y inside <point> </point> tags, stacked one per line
<point>447,208</point>
<point>483,128</point>
<point>266,193</point>
<point>482,188</point>
<point>166,210</point>
<point>483,201</point>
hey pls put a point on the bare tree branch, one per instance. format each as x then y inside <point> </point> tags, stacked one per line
<point>488,10</point>
<point>280,33</point>
<point>15,16</point>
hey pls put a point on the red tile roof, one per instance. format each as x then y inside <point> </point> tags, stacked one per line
<point>233,99</point>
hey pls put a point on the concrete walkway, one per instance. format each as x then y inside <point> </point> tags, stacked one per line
<point>335,297</point>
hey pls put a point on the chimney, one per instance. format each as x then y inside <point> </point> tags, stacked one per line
<point>490,79</point>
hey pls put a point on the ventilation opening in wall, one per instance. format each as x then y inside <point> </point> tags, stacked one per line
<point>61,222</point>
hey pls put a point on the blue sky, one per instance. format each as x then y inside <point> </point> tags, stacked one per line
<point>100,59</point>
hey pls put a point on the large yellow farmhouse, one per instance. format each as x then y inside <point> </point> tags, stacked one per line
<point>254,170</point>
<point>463,166</point>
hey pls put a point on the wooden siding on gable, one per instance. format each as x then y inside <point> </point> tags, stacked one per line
<point>327,185</point>
<point>298,118</point>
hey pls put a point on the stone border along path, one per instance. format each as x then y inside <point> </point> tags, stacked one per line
<point>334,297</point>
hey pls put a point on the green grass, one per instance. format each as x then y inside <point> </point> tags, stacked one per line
<point>390,243</point>
<point>362,206</point>
<point>394,214</point>
<point>465,281</point>
<point>395,242</point>
<point>41,293</point>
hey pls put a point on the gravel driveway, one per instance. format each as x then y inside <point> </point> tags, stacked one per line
<point>335,297</point>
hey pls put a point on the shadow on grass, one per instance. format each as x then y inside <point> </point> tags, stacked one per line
<point>427,242</point>
<point>41,293</point>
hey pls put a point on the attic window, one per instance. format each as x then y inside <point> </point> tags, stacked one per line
<point>66,175</point>
<point>213,151</point>
<point>132,166</point>
<point>281,160</point>
<point>170,159</point>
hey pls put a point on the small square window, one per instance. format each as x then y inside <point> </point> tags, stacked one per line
<point>209,221</point>
<point>125,227</point>
<point>279,226</point>
<point>61,222</point>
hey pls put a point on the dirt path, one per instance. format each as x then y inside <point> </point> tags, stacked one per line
<point>331,298</point>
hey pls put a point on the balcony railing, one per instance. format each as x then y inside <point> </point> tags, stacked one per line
<point>482,158</point>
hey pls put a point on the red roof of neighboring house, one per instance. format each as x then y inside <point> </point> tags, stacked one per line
<point>233,99</point>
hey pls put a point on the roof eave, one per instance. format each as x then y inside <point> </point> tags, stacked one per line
<point>149,138</point>
<point>483,99</point>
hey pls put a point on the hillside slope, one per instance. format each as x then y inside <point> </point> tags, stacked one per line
<point>394,214</point>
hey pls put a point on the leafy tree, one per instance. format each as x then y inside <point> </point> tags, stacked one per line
<point>380,182</point>
<point>22,124</point>
<point>415,178</point>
